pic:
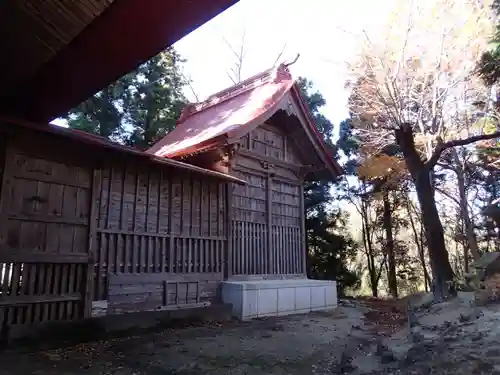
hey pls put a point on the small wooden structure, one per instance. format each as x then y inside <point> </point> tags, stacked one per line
<point>261,132</point>
<point>84,219</point>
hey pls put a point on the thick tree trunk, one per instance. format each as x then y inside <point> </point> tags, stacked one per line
<point>434,234</point>
<point>420,246</point>
<point>440,264</point>
<point>389,247</point>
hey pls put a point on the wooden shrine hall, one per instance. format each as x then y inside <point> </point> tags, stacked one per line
<point>261,132</point>
<point>212,214</point>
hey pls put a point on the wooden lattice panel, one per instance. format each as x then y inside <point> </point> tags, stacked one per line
<point>152,221</point>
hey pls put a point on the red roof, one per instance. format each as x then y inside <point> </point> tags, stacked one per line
<point>95,140</point>
<point>230,114</point>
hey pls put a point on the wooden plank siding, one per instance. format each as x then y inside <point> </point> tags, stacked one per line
<point>156,225</point>
<point>79,226</point>
<point>267,221</point>
<point>45,203</point>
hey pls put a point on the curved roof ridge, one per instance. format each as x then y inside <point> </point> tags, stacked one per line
<point>280,72</point>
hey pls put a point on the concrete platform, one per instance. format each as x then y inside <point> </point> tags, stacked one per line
<point>261,298</point>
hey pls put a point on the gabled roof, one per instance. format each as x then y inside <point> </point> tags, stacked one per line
<point>104,143</point>
<point>58,53</point>
<point>232,113</point>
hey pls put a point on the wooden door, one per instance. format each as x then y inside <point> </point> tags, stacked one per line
<point>44,239</point>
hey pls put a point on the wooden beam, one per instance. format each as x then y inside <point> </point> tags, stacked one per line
<point>125,35</point>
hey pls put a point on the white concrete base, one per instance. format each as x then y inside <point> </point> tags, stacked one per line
<point>260,298</point>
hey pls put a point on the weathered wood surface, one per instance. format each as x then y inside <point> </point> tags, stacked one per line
<point>154,291</point>
<point>267,229</point>
<point>44,219</point>
<point>152,222</point>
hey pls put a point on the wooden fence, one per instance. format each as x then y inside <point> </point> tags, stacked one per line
<point>158,226</point>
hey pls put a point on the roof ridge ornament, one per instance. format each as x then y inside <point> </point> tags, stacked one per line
<point>282,72</point>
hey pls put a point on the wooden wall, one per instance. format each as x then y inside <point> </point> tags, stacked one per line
<point>268,220</point>
<point>45,210</point>
<point>161,237</point>
<point>74,230</point>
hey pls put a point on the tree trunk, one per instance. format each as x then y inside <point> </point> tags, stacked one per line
<point>370,258</point>
<point>434,234</point>
<point>420,246</point>
<point>440,264</point>
<point>389,247</point>
<point>464,211</point>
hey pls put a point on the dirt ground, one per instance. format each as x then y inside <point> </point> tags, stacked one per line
<point>360,337</point>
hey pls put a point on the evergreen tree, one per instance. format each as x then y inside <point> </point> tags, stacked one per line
<point>329,244</point>
<point>140,107</point>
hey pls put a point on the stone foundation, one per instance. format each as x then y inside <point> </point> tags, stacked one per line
<point>261,298</point>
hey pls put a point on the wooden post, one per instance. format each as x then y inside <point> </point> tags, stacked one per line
<point>94,209</point>
<point>4,187</point>
<point>6,159</point>
<point>229,231</point>
<point>270,267</point>
<point>303,242</point>
<point>171,239</point>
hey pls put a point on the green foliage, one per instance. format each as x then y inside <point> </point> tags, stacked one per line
<point>489,64</point>
<point>329,244</point>
<point>140,107</point>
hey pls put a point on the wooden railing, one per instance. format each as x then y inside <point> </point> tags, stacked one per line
<point>39,287</point>
<point>144,253</point>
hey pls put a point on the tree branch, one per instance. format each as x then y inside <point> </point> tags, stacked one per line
<point>441,146</point>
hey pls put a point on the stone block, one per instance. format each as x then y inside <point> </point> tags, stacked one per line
<point>261,298</point>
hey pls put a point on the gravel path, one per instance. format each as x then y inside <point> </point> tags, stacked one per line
<point>304,344</point>
<point>361,337</point>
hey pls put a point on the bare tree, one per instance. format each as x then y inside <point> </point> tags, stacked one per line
<point>235,73</point>
<point>404,92</point>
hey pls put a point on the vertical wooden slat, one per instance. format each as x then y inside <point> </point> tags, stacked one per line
<point>171,246</point>
<point>143,254</point>
<point>218,267</point>
<point>120,253</point>
<point>148,197</point>
<point>109,205</point>
<point>229,222</point>
<point>303,243</point>
<point>7,157</point>
<point>163,254</point>
<point>48,289</point>
<point>243,249</point>
<point>165,293</point>
<point>127,254</point>
<point>92,248</point>
<point>79,278</point>
<point>269,225</point>
<point>122,225</point>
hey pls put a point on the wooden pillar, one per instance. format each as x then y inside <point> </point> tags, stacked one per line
<point>303,243</point>
<point>269,206</point>
<point>6,159</point>
<point>229,231</point>
<point>5,181</point>
<point>92,243</point>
